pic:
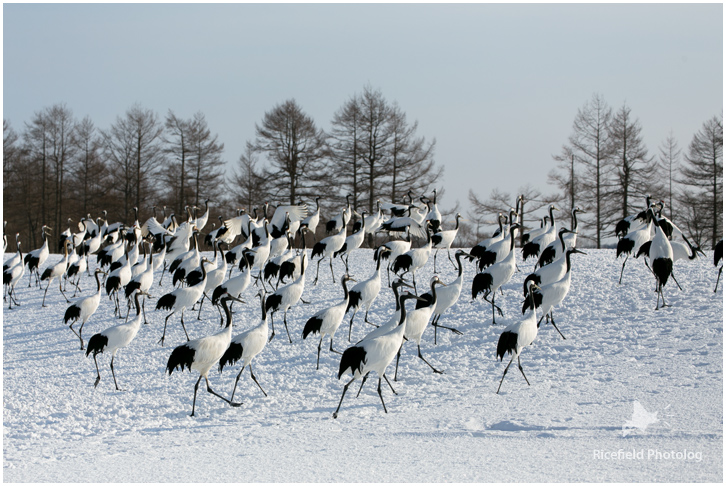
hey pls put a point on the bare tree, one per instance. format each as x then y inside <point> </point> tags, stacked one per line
<point>89,171</point>
<point>590,142</point>
<point>669,160</point>
<point>375,142</point>
<point>703,174</point>
<point>206,163</point>
<point>132,145</point>
<point>295,150</point>
<point>412,164</point>
<point>246,181</point>
<point>635,171</point>
<point>345,147</point>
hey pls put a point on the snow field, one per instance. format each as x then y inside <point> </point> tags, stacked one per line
<point>450,427</point>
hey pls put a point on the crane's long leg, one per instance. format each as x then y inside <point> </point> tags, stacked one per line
<point>194,401</point>
<point>448,252</point>
<point>398,357</point>
<point>284,319</point>
<point>74,331</point>
<point>320,345</point>
<point>424,360</point>
<point>236,380</point>
<point>114,374</point>
<point>362,383</point>
<point>436,325</point>
<point>164,333</point>
<point>552,320</point>
<point>98,373</point>
<point>504,374</point>
<point>350,329</point>
<point>199,314</point>
<point>209,389</point>
<point>381,395</point>
<point>436,253</point>
<point>331,346</point>
<point>60,286</point>
<point>317,272</point>
<point>272,324</point>
<point>331,268</point>
<point>255,380</point>
<point>519,363</point>
<point>345,389</point>
<point>676,281</point>
<point>718,278</point>
<point>182,323</point>
<point>46,293</point>
<point>389,384</point>
<point>623,269</point>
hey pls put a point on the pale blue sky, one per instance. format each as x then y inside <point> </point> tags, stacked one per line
<point>497,86</point>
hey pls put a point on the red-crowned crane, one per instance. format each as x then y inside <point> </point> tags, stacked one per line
<point>202,354</point>
<point>549,273</point>
<point>518,335</point>
<point>397,248</point>
<point>116,280</point>
<point>12,275</point>
<point>311,222</point>
<point>495,276</point>
<point>548,296</point>
<point>554,250</point>
<point>434,215</point>
<point>180,299</point>
<point>717,257</point>
<point>83,309</point>
<point>413,259</point>
<point>447,296</point>
<point>56,271</point>
<point>392,322</point>
<point>631,243</point>
<point>113,339</point>
<point>340,221</point>
<point>285,297</point>
<point>16,258</point>
<point>36,258</point>
<point>327,248</point>
<point>633,222</point>
<point>478,250</point>
<point>534,247</point>
<point>544,226</point>
<point>443,240</point>
<point>416,324</point>
<point>327,321</point>
<point>499,251</point>
<point>365,292</point>
<point>374,355</point>
<point>661,261</point>
<point>246,346</point>
<point>352,242</point>
<point>142,282</point>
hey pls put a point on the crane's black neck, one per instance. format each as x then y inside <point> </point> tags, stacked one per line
<point>345,288</point>
<point>264,311</point>
<point>227,313</point>
<point>574,219</point>
<point>136,299</point>
<point>562,239</point>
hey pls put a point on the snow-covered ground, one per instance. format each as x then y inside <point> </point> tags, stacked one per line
<point>567,426</point>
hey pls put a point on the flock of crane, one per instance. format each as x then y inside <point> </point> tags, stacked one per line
<point>128,258</point>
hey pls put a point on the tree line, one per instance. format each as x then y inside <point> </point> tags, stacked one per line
<point>57,167</point>
<point>606,168</point>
